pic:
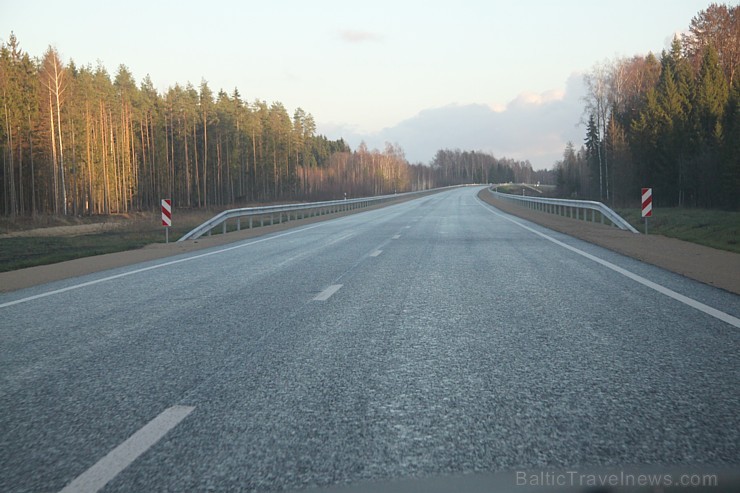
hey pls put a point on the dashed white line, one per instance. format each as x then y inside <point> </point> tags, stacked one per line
<point>395,237</point>
<point>178,261</point>
<point>718,314</point>
<point>328,292</point>
<point>376,253</point>
<point>118,459</point>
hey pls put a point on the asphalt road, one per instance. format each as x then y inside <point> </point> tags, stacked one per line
<point>437,337</point>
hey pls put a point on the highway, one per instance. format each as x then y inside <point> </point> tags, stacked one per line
<point>431,338</point>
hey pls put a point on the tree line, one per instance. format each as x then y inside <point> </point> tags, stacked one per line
<point>457,167</point>
<point>75,140</point>
<point>668,122</point>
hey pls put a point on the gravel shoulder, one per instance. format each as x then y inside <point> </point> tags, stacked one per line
<point>714,267</point>
<point>717,268</point>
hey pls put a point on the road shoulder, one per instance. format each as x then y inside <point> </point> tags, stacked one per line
<point>34,276</point>
<point>717,268</point>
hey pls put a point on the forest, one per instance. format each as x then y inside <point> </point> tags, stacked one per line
<point>76,141</point>
<point>669,123</point>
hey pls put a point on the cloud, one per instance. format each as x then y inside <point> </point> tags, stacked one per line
<point>355,36</point>
<point>534,127</point>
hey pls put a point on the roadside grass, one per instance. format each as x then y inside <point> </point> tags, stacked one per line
<point>712,228</point>
<point>22,252</point>
<point>135,231</point>
<point>716,229</point>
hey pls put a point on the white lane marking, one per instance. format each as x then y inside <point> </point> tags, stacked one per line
<point>304,254</point>
<point>337,240</point>
<point>118,459</point>
<point>328,292</point>
<point>376,253</point>
<point>720,315</point>
<point>395,237</point>
<point>242,245</point>
<point>158,266</point>
<point>407,227</point>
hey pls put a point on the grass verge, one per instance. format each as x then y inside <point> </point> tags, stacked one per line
<point>134,232</point>
<point>712,228</point>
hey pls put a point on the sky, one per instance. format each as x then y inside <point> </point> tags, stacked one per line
<point>499,76</point>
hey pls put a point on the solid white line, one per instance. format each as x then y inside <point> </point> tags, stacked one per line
<point>118,459</point>
<point>158,266</point>
<point>376,253</point>
<point>328,292</point>
<point>720,315</point>
<point>166,264</point>
<point>395,237</point>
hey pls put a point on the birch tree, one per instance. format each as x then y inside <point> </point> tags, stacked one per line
<point>55,81</point>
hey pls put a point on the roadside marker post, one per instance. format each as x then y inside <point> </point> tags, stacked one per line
<point>166,218</point>
<point>647,205</point>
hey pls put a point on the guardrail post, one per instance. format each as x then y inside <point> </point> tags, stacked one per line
<point>250,222</point>
<point>238,223</point>
<point>223,228</point>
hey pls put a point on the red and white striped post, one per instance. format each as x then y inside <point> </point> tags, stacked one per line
<point>166,218</point>
<point>647,205</point>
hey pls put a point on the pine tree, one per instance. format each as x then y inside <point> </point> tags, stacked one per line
<point>730,167</point>
<point>709,103</point>
<point>593,152</point>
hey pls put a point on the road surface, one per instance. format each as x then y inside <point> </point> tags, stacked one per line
<point>433,338</point>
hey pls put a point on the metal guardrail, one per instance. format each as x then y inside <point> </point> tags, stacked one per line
<point>287,212</point>
<point>569,208</point>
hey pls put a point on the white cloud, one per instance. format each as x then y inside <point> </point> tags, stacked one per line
<point>537,99</point>
<point>497,107</point>
<point>534,127</point>
<point>356,36</point>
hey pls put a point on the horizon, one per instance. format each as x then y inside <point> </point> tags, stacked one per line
<point>367,77</point>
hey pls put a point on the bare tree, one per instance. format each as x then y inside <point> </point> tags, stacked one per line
<point>719,26</point>
<point>597,103</point>
<point>54,80</point>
